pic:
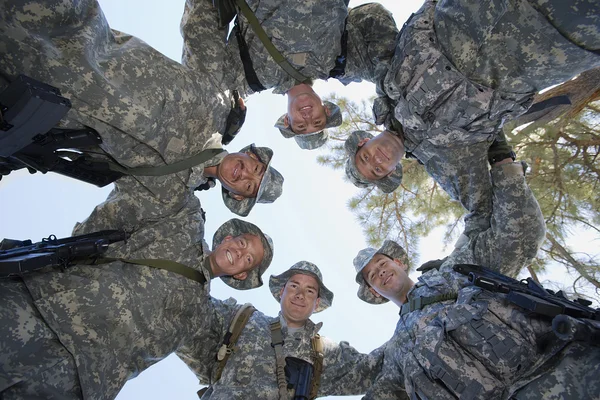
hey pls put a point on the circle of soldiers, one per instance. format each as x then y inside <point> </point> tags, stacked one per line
<point>82,315</point>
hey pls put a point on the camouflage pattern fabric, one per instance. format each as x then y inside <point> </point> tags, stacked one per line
<point>115,319</point>
<point>372,34</point>
<point>294,28</point>
<point>250,371</point>
<point>148,109</point>
<point>479,346</point>
<point>462,68</point>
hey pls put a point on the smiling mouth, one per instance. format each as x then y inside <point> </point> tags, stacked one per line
<point>297,305</point>
<point>229,256</point>
<point>236,171</point>
<point>387,280</point>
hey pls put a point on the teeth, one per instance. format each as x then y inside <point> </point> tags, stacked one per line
<point>229,257</point>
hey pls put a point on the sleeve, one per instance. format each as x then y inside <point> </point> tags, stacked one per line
<point>203,41</point>
<point>200,354</point>
<point>372,33</point>
<point>346,371</point>
<point>517,224</point>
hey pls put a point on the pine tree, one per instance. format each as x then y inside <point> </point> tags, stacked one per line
<point>562,149</point>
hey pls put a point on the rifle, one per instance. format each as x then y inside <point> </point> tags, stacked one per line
<point>235,119</point>
<point>29,110</point>
<point>19,257</point>
<point>299,374</point>
<point>572,320</point>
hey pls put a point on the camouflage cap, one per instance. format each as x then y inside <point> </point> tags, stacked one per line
<point>310,141</point>
<point>387,184</point>
<point>390,249</point>
<point>236,227</point>
<point>277,282</point>
<point>271,185</point>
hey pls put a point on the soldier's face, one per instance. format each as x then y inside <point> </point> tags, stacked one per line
<point>299,299</point>
<point>241,174</point>
<point>235,256</point>
<point>306,113</point>
<point>376,158</point>
<point>387,277</point>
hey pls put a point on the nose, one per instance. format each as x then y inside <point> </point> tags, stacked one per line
<point>305,113</point>
<point>382,272</point>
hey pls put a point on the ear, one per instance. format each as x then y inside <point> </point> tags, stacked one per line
<point>373,292</point>
<point>286,121</point>
<point>401,264</point>
<point>327,110</point>
<point>241,276</point>
<point>237,197</point>
<point>227,238</point>
<point>281,291</point>
<point>317,302</point>
<point>363,141</point>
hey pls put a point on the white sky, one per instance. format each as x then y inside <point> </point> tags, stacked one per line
<point>310,221</point>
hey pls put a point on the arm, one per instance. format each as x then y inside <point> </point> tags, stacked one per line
<point>346,371</point>
<point>517,226</point>
<point>203,41</point>
<point>200,354</point>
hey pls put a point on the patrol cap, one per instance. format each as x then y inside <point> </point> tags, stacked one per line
<point>310,141</point>
<point>390,249</point>
<point>236,227</point>
<point>387,184</point>
<point>271,185</point>
<point>277,282</point>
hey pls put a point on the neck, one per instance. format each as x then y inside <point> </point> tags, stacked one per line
<point>402,296</point>
<point>212,267</point>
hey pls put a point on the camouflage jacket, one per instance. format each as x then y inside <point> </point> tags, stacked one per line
<point>117,319</point>
<point>295,27</point>
<point>148,109</point>
<point>458,73</point>
<point>250,371</point>
<point>475,346</point>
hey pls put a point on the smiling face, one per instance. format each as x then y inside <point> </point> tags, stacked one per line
<point>241,174</point>
<point>235,256</point>
<point>306,113</point>
<point>387,278</point>
<point>299,299</point>
<point>376,158</point>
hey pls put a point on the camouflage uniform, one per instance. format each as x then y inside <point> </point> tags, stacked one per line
<point>296,27</point>
<point>250,371</point>
<point>479,346</point>
<point>462,68</point>
<point>148,109</point>
<point>105,324</point>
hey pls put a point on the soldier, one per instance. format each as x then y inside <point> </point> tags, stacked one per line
<point>462,68</point>
<point>84,331</point>
<point>148,109</point>
<point>255,370</point>
<point>317,40</point>
<point>454,339</point>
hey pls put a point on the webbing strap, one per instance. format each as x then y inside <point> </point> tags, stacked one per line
<point>249,71</point>
<point>168,169</point>
<point>262,35</point>
<point>239,321</point>
<point>277,344</point>
<point>317,346</point>
<point>419,302</point>
<point>167,265</point>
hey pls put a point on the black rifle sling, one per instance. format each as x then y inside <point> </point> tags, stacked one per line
<point>249,71</point>
<point>339,70</point>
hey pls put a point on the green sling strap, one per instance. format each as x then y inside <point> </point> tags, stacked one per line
<point>262,35</point>
<point>167,265</point>
<point>420,302</point>
<point>178,166</point>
